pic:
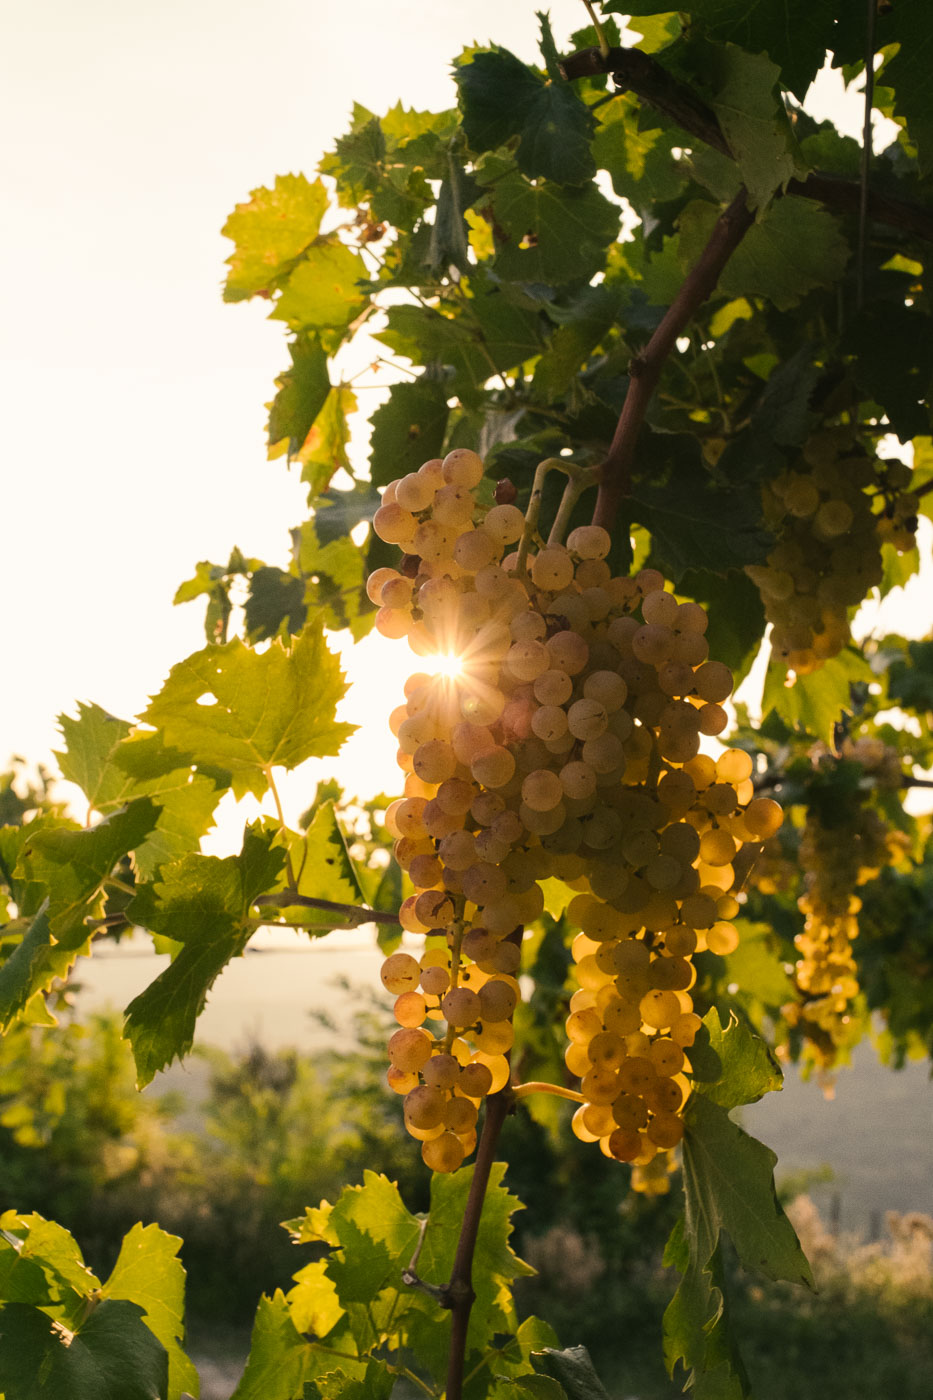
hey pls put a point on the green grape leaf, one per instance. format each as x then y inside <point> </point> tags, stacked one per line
<point>149,1272</point>
<point>637,152</point>
<point>73,865</point>
<point>731,1064</point>
<point>32,967</point>
<point>783,413</point>
<point>46,1246</point>
<point>376,1210</point>
<point>554,234</point>
<point>502,99</point>
<point>314,1301</point>
<point>323,293</point>
<point>362,1267</point>
<point>753,120</point>
<point>334,579</point>
<point>280,1359</point>
<point>325,870</point>
<point>496,335</point>
<point>111,1356</point>
<point>729,1184</point>
<point>729,1189</point>
<point>574,1370</point>
<point>591,315</point>
<point>200,902</point>
<point>407,429</point>
<point>796,246</point>
<point>186,799</point>
<point>695,520</point>
<point>377,1383</point>
<point>89,742</point>
<point>795,34</point>
<point>893,349</point>
<point>756,968</point>
<point>533,1387</point>
<point>908,73</point>
<point>270,231</point>
<point>302,392</point>
<point>249,711</point>
<point>495,1263</point>
<point>276,600</point>
<point>816,702</point>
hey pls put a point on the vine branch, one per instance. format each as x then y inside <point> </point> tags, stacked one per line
<point>614,472</point>
<point>459,1293</point>
<point>355,913</point>
<point>641,74</point>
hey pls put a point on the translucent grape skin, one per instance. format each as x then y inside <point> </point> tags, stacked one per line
<point>567,745</point>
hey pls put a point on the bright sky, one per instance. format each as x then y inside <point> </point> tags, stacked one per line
<point>131,399</point>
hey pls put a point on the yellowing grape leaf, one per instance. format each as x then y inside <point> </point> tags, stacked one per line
<point>248,711</point>
<point>270,230</point>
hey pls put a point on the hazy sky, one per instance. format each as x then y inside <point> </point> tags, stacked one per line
<point>131,398</point>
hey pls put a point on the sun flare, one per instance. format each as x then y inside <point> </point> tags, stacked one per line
<point>447,664</point>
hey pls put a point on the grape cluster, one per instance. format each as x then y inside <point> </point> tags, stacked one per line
<point>836,860</point>
<point>828,550</point>
<point>566,743</point>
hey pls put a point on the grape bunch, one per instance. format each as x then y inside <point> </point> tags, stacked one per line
<point>828,550</point>
<point>837,858</point>
<point>565,742</point>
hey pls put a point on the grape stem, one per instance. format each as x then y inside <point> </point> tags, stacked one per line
<point>539,1086</point>
<point>580,479</point>
<point>534,510</point>
<point>615,470</point>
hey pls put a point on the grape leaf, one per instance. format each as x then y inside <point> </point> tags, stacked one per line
<point>89,741</point>
<point>269,231</point>
<point>322,292</point>
<point>74,864</point>
<point>495,1263</point>
<point>893,349</point>
<point>637,152</point>
<point>302,392</point>
<point>407,429</point>
<point>46,1246</point>
<point>32,967</point>
<point>757,969</point>
<point>815,703</point>
<point>324,450</point>
<point>753,119</point>
<point>729,1189</point>
<point>248,711</point>
<point>111,1356</point>
<point>280,1359</point>
<point>574,1370</point>
<point>496,336</point>
<point>555,234</point>
<point>377,1383</point>
<point>908,73</point>
<point>910,681</point>
<point>502,99</point>
<point>696,521</point>
<point>795,34</point>
<point>796,246</point>
<point>149,1272</point>
<point>728,1179</point>
<point>582,326</point>
<point>731,1064</point>
<point>325,870</point>
<point>314,1302</point>
<point>186,799</point>
<point>200,902</point>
